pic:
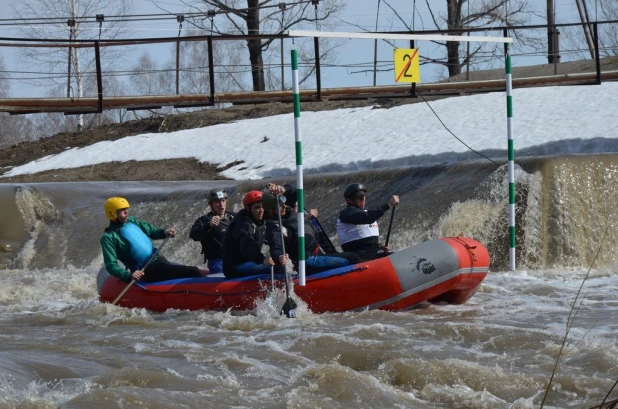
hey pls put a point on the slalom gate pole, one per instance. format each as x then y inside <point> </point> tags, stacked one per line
<point>511,162</point>
<point>299,171</point>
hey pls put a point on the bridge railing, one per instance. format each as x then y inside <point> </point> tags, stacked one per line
<point>206,70</point>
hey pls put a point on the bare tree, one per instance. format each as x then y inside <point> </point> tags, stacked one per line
<point>608,33</point>
<point>194,70</point>
<point>463,14</point>
<point>602,10</point>
<point>5,86</point>
<point>112,86</point>
<point>13,129</point>
<point>50,123</point>
<point>150,79</point>
<point>258,17</point>
<point>75,22</point>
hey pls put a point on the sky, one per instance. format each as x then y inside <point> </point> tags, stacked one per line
<point>368,137</point>
<point>358,13</point>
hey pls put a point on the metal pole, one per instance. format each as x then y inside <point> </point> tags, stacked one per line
<point>211,71</point>
<point>177,67</point>
<point>282,7</point>
<point>282,68</point>
<point>468,60</point>
<point>581,8</point>
<point>179,18</point>
<point>551,29</point>
<point>468,51</point>
<point>97,55</point>
<point>511,163</point>
<point>318,74</point>
<point>375,48</point>
<point>71,23</point>
<point>597,52</point>
<point>299,171</point>
<point>413,89</point>
<point>69,74</point>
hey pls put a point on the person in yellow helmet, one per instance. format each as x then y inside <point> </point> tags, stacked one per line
<point>128,239</point>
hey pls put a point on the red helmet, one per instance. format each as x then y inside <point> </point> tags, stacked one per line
<point>252,197</point>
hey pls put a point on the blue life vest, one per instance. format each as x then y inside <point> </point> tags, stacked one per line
<point>140,245</point>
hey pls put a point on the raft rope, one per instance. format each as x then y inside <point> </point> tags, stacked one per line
<point>467,246</point>
<point>261,290</point>
<point>187,292</point>
<point>353,270</point>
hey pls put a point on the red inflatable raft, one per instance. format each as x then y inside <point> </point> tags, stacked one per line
<point>445,270</point>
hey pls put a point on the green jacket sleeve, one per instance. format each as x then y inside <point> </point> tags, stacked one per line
<point>154,233</point>
<point>111,260</point>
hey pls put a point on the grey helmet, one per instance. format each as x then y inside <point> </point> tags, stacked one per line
<point>268,200</point>
<point>351,191</point>
<point>216,194</point>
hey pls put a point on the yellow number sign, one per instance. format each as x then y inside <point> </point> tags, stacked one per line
<point>406,65</point>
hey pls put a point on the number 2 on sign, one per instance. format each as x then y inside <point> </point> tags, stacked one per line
<point>406,65</point>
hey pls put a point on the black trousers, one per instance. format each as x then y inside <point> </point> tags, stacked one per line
<point>366,256</point>
<point>161,269</point>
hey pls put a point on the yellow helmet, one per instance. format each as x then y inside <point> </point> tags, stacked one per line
<point>113,204</point>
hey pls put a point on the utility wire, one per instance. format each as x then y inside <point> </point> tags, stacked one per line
<point>456,137</point>
<point>136,17</point>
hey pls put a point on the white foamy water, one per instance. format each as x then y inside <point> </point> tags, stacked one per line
<point>62,348</point>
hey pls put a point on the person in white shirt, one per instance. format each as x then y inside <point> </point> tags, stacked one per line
<point>357,227</point>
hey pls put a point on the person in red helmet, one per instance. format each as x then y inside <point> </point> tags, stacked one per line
<point>316,260</point>
<point>242,245</point>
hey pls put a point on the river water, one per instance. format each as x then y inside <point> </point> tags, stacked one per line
<point>62,348</point>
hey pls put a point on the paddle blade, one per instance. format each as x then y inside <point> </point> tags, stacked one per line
<point>289,308</point>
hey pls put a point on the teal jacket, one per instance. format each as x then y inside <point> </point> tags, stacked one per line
<point>115,247</point>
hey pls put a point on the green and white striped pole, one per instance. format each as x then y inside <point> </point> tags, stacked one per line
<point>299,171</point>
<point>511,165</point>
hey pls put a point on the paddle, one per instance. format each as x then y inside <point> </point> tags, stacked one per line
<point>323,238</point>
<point>272,279</point>
<point>143,268</point>
<point>289,307</point>
<point>390,224</point>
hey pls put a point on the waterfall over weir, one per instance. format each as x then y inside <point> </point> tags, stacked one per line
<point>565,205</point>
